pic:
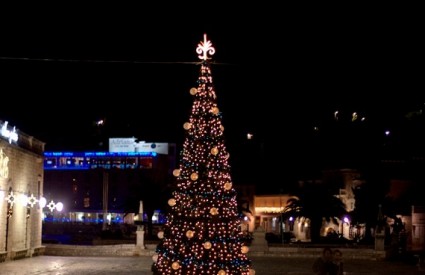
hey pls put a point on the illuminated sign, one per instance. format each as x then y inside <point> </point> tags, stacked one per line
<point>157,147</point>
<point>122,144</point>
<point>130,145</point>
<point>10,135</point>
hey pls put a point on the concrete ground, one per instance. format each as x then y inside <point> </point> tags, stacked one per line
<point>55,265</point>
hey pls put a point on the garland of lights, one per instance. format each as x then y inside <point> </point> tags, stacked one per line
<point>28,201</point>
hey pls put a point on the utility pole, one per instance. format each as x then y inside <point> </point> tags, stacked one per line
<point>105,198</point>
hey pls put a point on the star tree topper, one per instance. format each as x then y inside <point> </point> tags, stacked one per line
<point>204,48</point>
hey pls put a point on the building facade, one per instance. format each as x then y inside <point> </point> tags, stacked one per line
<point>21,189</point>
<point>107,187</point>
<point>268,209</point>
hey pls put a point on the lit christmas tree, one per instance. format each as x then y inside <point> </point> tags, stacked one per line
<point>202,234</point>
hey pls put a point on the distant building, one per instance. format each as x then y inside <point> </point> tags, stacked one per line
<point>267,209</point>
<point>346,180</point>
<point>21,190</point>
<point>102,187</point>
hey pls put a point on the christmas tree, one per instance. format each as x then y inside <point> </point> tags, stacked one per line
<point>202,234</point>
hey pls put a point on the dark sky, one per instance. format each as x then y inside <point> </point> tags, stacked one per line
<point>277,74</point>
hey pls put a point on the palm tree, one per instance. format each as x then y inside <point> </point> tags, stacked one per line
<point>369,198</point>
<point>315,202</point>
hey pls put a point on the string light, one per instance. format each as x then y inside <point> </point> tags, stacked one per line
<point>10,199</point>
<point>22,199</point>
<point>32,200</point>
<point>51,205</point>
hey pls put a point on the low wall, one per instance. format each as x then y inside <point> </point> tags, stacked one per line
<point>98,250</point>
<point>313,252</point>
<point>149,250</point>
<point>21,254</point>
<point>3,256</point>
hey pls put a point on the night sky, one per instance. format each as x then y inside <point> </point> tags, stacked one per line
<point>276,75</point>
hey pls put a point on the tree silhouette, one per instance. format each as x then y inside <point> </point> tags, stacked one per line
<point>367,203</point>
<point>315,202</point>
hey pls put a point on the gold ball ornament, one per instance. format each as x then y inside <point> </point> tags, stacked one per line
<point>222,128</point>
<point>228,186</point>
<point>251,272</point>
<point>227,156</point>
<point>207,245</point>
<point>214,110</point>
<point>172,202</point>
<point>176,172</point>
<point>221,272</point>
<point>193,91</point>
<point>244,249</point>
<point>175,265</point>
<point>187,125</point>
<point>194,176</point>
<point>213,211</point>
<point>160,234</point>
<point>214,151</point>
<point>190,234</point>
<point>155,258</point>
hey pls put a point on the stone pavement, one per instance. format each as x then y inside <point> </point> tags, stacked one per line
<point>55,265</point>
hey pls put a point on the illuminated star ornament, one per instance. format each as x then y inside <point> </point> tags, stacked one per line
<point>10,199</point>
<point>205,48</point>
<point>32,200</point>
<point>51,205</point>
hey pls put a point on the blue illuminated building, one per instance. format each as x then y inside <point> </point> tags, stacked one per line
<point>87,183</point>
<point>94,160</point>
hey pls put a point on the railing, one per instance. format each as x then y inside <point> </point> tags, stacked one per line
<point>3,255</point>
<point>38,251</point>
<point>19,254</point>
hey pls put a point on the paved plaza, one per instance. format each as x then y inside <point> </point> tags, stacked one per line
<point>55,265</point>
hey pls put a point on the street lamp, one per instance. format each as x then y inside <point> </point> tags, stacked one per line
<point>59,206</point>
<point>346,220</point>
<point>42,202</point>
<point>291,223</point>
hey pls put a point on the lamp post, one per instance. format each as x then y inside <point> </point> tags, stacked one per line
<point>282,227</point>
<point>105,198</point>
<point>291,223</point>
<point>10,202</point>
<point>346,220</point>
<point>140,241</point>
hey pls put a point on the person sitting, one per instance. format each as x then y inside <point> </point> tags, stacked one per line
<point>323,264</point>
<point>337,264</point>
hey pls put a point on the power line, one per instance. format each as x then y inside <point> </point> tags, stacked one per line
<point>101,61</point>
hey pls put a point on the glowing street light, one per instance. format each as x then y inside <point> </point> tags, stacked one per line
<point>42,202</point>
<point>59,206</point>
<point>23,199</point>
<point>345,220</point>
